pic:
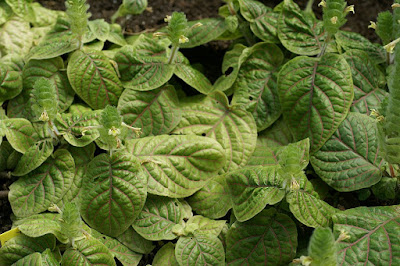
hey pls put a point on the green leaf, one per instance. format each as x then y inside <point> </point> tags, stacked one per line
<point>269,237</point>
<point>305,205</point>
<point>277,135</point>
<point>15,37</point>
<point>352,40</point>
<point>52,69</point>
<point>386,189</point>
<point>199,250</point>
<point>372,235</point>
<point>5,152</point>
<point>94,79</point>
<point>135,242</point>
<point>31,259</point>
<point>300,32</point>
<point>46,185</point>
<point>166,256</point>
<point>369,82</point>
<point>116,36</point>
<point>113,194</point>
<point>213,200</point>
<point>233,127</point>
<point>205,226</point>
<point>87,252</point>
<point>158,217</point>
<point>263,22</point>
<point>253,188</point>
<point>10,83</point>
<point>21,245</point>
<point>384,27</point>
<point>294,157</point>
<point>316,94</point>
<point>22,9</point>
<point>156,112</point>
<point>20,134</point>
<point>194,78</point>
<point>210,29</point>
<point>54,46</point>
<point>34,157</point>
<point>100,29</point>
<point>51,258</point>
<point>322,247</point>
<point>144,66</point>
<point>177,166</point>
<point>350,159</point>
<point>256,86</point>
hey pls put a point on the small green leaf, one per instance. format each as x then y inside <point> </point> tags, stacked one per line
<point>322,247</point>
<point>210,29</point>
<point>20,134</point>
<point>44,186</point>
<point>386,189</point>
<point>269,237</point>
<point>54,46</point>
<point>10,83</point>
<point>166,256</point>
<point>135,242</point>
<point>15,37</point>
<point>205,226</point>
<point>100,29</point>
<point>113,194</point>
<point>316,94</point>
<point>369,235</point>
<point>94,79</point>
<point>199,250</point>
<point>194,78</point>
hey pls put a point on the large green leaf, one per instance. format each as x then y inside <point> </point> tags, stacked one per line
<point>256,86</point>
<point>54,46</point>
<point>233,127</point>
<point>213,200</point>
<point>31,259</point>
<point>135,242</point>
<point>22,9</point>
<point>15,37</point>
<point>199,250</point>
<point>177,166</point>
<point>21,245</point>
<point>36,191</point>
<point>94,79</point>
<point>316,94</point>
<point>263,22</point>
<point>269,237</point>
<point>299,31</point>
<point>194,78</point>
<point>158,217</point>
<point>166,256</point>
<point>156,112</point>
<point>372,235</point>
<point>369,82</point>
<point>210,29</point>
<point>350,159</point>
<point>20,134</point>
<point>10,83</point>
<point>112,195</point>
<point>88,252</point>
<point>253,188</point>
<point>54,70</point>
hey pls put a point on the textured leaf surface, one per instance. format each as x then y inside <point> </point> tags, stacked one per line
<point>113,194</point>
<point>322,247</point>
<point>269,237</point>
<point>10,83</point>
<point>205,226</point>
<point>51,47</point>
<point>253,188</point>
<point>135,242</point>
<point>15,37</point>
<point>94,79</point>
<point>369,82</point>
<point>199,250</point>
<point>211,29</point>
<point>213,200</point>
<point>166,256</point>
<point>373,235</point>
<point>256,86</point>
<point>20,134</point>
<point>233,127</point>
<point>316,95</point>
<point>156,112</point>
<point>157,218</point>
<point>177,166</point>
<point>299,31</point>
<point>194,78</point>
<point>31,259</point>
<point>35,192</point>
<point>350,159</point>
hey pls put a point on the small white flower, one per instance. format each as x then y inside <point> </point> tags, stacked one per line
<point>183,39</point>
<point>349,9</point>
<point>322,3</point>
<point>113,131</point>
<point>372,25</point>
<point>334,19</point>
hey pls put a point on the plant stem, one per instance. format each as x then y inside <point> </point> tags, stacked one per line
<point>5,175</point>
<point>174,52</point>
<point>309,6</point>
<point>392,174</point>
<point>4,194</point>
<point>325,45</point>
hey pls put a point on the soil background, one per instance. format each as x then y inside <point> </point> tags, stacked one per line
<point>209,55</point>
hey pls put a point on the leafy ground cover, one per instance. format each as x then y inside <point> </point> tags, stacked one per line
<point>119,149</point>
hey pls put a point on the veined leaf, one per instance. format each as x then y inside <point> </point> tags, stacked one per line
<point>94,79</point>
<point>194,78</point>
<point>100,29</point>
<point>277,135</point>
<point>199,250</point>
<point>31,259</point>
<point>372,235</point>
<point>210,29</point>
<point>263,22</point>
<point>350,159</point>
<point>316,94</point>
<point>87,252</point>
<point>113,194</point>
<point>20,134</point>
<point>156,112</point>
<point>157,218</point>
<point>35,192</point>
<point>10,83</point>
<point>322,247</point>
<point>22,9</point>
<point>54,46</point>
<point>253,188</point>
<point>135,242</point>
<point>166,256</point>
<point>205,226</point>
<point>369,82</point>
<point>256,86</point>
<point>177,166</point>
<point>233,127</point>
<point>21,245</point>
<point>300,32</point>
<point>269,237</point>
<point>15,37</point>
<point>213,200</point>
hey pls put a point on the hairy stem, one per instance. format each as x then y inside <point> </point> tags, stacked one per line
<point>309,6</point>
<point>174,52</point>
<point>325,45</point>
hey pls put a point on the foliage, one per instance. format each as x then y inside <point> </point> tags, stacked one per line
<point>119,147</point>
